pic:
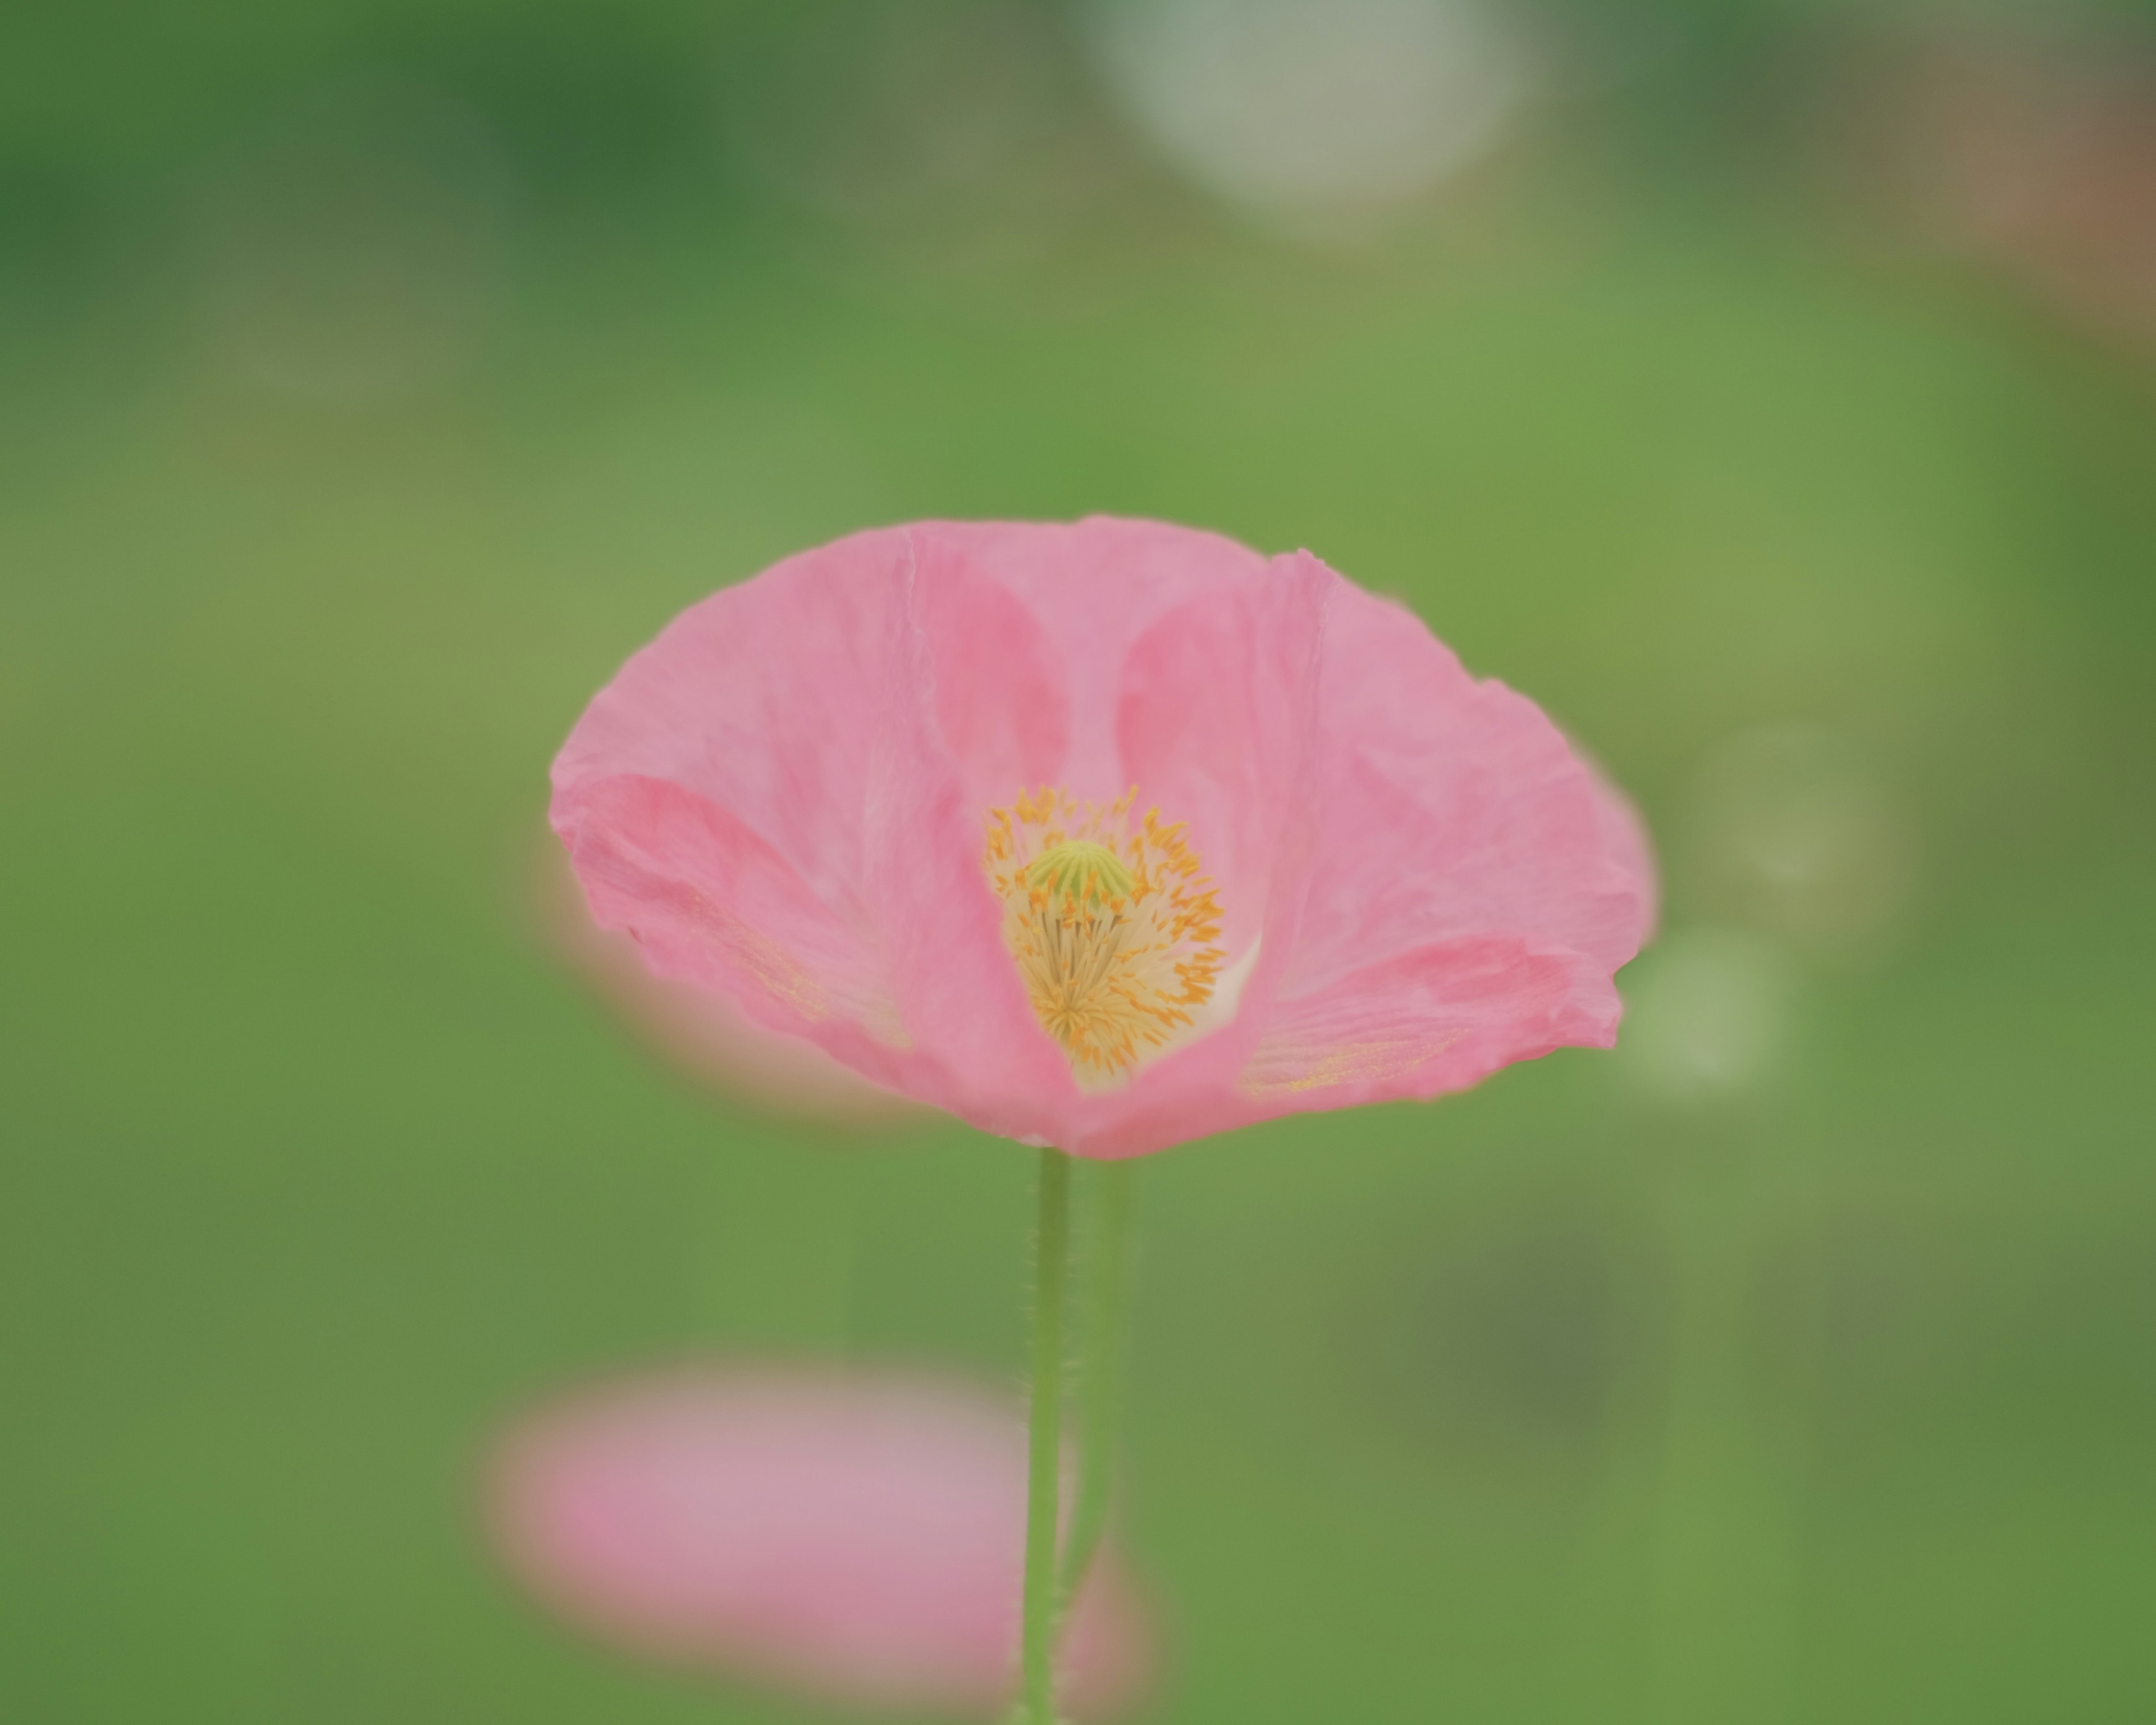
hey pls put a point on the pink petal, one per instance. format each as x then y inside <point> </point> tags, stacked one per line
<point>1093,588</point>
<point>763,799</point>
<point>1216,704</point>
<point>856,1537</point>
<point>1473,888</point>
<point>700,1029</point>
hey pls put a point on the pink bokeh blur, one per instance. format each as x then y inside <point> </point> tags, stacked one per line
<point>854,1536</point>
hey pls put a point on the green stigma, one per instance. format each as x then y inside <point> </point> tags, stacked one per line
<point>1078,868</point>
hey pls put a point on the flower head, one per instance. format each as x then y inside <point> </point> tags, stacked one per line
<point>857,1536</point>
<point>1105,835</point>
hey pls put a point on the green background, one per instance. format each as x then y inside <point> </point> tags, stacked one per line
<point>1825,1394</point>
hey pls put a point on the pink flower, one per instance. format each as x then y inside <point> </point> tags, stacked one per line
<point>882,796</point>
<point>858,1537</point>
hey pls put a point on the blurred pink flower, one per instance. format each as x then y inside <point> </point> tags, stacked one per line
<point>701,1030</point>
<point>858,1537</point>
<point>881,796</point>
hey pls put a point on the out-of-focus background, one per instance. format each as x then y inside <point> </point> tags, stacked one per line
<point>1768,387</point>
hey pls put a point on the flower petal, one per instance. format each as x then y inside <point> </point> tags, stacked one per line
<point>1095,587</point>
<point>763,798</point>
<point>1471,877</point>
<point>1001,694</point>
<point>1215,714</point>
<point>698,1027</point>
<point>1439,1018</point>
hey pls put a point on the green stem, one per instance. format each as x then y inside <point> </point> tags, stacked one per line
<point>1100,1373</point>
<point>1051,1261</point>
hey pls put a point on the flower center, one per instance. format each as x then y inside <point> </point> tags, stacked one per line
<point>1111,925</point>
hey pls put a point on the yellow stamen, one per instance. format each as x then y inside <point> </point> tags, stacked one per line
<point>1111,924</point>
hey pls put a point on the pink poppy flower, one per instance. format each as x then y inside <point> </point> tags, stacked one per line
<point>701,1031</point>
<point>1104,836</point>
<point>858,1537</point>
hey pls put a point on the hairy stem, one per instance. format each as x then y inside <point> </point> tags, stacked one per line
<point>1051,1262</point>
<point>1101,1371</point>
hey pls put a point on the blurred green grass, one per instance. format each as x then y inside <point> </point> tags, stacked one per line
<point>1560,1400</point>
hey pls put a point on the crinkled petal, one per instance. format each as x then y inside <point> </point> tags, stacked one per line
<point>763,798</point>
<point>1439,1018</point>
<point>1474,887</point>
<point>698,1028</point>
<point>1095,587</point>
